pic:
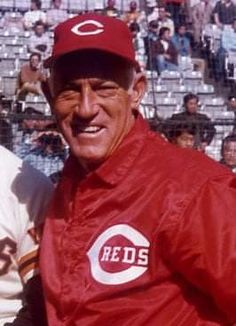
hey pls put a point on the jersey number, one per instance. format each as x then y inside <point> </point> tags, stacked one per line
<point>7,248</point>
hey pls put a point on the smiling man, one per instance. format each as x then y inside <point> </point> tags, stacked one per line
<point>139,232</point>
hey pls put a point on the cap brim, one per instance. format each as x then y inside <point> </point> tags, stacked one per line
<point>48,63</point>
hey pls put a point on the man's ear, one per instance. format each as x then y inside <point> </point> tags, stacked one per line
<point>138,90</point>
<point>47,92</point>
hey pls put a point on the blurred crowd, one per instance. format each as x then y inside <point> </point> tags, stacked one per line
<point>168,35</point>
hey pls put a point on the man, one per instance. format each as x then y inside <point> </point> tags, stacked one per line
<point>164,21</point>
<point>138,43</point>
<point>166,52</point>
<point>227,49</point>
<point>228,152</point>
<point>140,232</point>
<point>150,43</point>
<point>34,14</point>
<point>201,16</point>
<point>30,77</point>
<point>182,135</point>
<point>204,126</point>
<point>133,15</point>
<point>231,106</point>
<point>56,15</point>
<point>181,42</point>
<point>111,10</point>
<point>175,7</point>
<point>224,13</point>
<point>39,42</point>
<point>24,193</point>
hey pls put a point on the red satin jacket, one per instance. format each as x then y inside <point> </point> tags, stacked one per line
<point>148,239</point>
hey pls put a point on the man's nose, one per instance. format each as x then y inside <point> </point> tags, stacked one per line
<point>87,106</point>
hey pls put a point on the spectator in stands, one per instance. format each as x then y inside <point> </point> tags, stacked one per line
<point>55,15</point>
<point>13,22</point>
<point>48,154</point>
<point>228,152</point>
<point>231,106</point>
<point>150,43</point>
<point>205,129</point>
<point>31,123</point>
<point>154,15</point>
<point>183,135</point>
<point>167,54</point>
<point>164,21</point>
<point>232,102</point>
<point>138,43</point>
<point>228,44</point>
<point>35,14</point>
<point>30,77</point>
<point>175,7</point>
<point>201,16</point>
<point>111,10</point>
<point>133,14</point>
<point>39,42</point>
<point>224,13</point>
<point>6,135</point>
<point>182,43</point>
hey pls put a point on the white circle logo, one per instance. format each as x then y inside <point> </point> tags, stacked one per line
<point>119,255</point>
<point>97,28</point>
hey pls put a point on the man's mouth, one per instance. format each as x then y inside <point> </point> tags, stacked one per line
<point>89,129</point>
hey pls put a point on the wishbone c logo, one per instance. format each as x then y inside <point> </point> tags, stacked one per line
<point>98,28</point>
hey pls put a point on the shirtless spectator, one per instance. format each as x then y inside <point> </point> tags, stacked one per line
<point>30,78</point>
<point>133,14</point>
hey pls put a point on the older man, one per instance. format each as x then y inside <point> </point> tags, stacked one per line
<point>139,232</point>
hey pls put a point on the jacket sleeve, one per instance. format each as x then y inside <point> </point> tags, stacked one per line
<point>201,245</point>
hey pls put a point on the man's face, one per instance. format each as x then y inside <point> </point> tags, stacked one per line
<point>33,5</point>
<point>192,106</point>
<point>185,140</point>
<point>133,6</point>
<point>94,100</point>
<point>229,153</point>
<point>162,13</point>
<point>39,30</point>
<point>57,4</point>
<point>34,62</point>
<point>182,30</point>
<point>111,3</point>
<point>232,104</point>
<point>166,36</point>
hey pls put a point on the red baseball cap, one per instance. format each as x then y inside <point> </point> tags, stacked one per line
<point>92,32</point>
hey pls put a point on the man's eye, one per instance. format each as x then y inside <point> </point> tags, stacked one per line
<point>106,90</point>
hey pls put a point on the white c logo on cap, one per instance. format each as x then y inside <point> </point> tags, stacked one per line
<point>99,28</point>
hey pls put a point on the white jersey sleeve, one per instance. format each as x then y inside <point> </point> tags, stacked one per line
<point>24,195</point>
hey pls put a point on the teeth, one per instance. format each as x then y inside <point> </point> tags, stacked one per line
<point>89,129</point>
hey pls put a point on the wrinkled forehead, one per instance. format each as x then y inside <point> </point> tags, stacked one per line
<point>92,64</point>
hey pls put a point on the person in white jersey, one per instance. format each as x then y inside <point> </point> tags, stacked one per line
<point>24,195</point>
